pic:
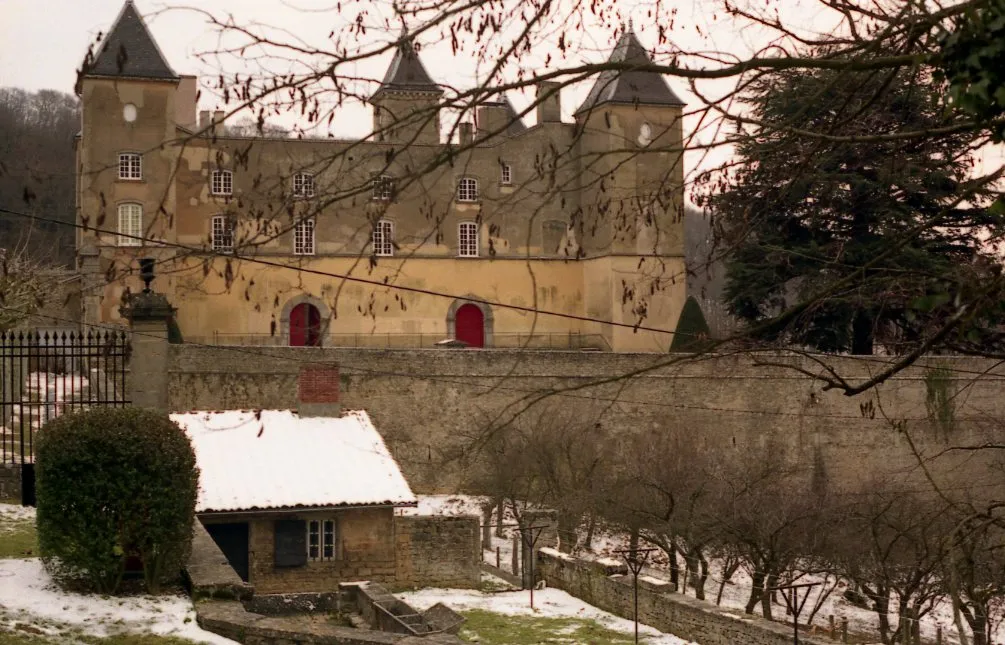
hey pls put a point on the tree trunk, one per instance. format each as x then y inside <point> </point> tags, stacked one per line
<point>767,596</point>
<point>756,591</point>
<point>979,623</point>
<point>590,528</point>
<point>881,605</point>
<point>699,582</point>
<point>500,513</point>
<point>729,568</point>
<point>674,568</point>
<point>633,541</point>
<point>862,334</point>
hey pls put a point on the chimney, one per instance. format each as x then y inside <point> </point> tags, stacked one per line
<point>203,119</point>
<point>549,109</point>
<point>184,103</point>
<point>465,129</point>
<point>318,391</point>
<point>218,117</point>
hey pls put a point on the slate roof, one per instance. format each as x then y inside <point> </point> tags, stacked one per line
<point>130,51</point>
<point>627,85</point>
<point>406,72</point>
<point>276,459</point>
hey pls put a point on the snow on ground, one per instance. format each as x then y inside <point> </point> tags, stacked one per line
<point>28,595</point>
<point>451,505</point>
<point>548,603</point>
<point>11,513</point>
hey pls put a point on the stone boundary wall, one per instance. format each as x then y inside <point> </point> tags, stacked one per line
<point>438,551</point>
<point>10,482</point>
<point>675,614</point>
<point>430,403</point>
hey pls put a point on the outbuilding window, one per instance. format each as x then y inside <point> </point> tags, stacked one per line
<point>321,539</point>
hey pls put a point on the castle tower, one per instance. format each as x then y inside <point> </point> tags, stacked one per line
<point>405,107</point>
<point>132,104</point>
<point>632,190</point>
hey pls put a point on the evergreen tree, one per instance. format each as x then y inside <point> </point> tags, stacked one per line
<point>692,333</point>
<point>877,241</point>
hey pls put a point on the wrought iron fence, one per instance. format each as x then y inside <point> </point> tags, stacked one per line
<point>44,374</point>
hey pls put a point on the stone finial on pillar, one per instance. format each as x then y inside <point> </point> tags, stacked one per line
<point>149,314</point>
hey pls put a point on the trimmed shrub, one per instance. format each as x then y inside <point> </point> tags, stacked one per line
<point>692,333</point>
<point>114,484</point>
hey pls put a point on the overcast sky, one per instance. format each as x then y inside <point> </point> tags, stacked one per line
<point>42,42</point>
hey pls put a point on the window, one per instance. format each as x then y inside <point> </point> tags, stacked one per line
<point>467,240</point>
<point>383,238</point>
<point>303,185</point>
<point>130,166</point>
<point>223,182</point>
<point>130,225</point>
<point>507,175</point>
<point>467,190</point>
<point>223,233</point>
<point>303,237</point>
<point>383,188</point>
<point>321,539</point>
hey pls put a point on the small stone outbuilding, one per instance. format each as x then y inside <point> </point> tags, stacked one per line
<point>299,504</point>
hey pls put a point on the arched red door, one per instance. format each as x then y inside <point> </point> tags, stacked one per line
<point>470,325</point>
<point>305,326</point>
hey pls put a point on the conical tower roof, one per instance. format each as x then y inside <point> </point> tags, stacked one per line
<point>626,85</point>
<point>129,50</point>
<point>406,72</point>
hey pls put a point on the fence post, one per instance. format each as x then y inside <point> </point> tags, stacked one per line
<point>830,626</point>
<point>844,629</point>
<point>148,313</point>
<point>938,635</point>
<point>515,565</point>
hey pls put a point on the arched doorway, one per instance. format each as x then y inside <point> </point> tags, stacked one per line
<point>470,325</point>
<point>305,326</point>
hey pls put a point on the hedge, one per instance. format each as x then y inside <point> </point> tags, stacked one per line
<point>114,484</point>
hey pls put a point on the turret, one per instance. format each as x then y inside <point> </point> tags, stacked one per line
<point>406,106</point>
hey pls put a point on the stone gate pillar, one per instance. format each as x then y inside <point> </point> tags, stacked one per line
<point>149,314</point>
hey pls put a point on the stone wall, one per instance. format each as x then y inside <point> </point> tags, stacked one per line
<point>430,403</point>
<point>684,617</point>
<point>437,551</point>
<point>10,483</point>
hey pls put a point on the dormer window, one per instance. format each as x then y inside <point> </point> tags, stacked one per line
<point>383,188</point>
<point>506,175</point>
<point>130,166</point>
<point>222,182</point>
<point>303,185</point>
<point>467,189</point>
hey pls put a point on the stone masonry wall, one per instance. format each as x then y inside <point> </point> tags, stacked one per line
<point>437,551</point>
<point>10,482</point>
<point>430,403</point>
<point>686,618</point>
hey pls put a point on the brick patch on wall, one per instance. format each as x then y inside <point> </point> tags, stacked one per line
<point>318,384</point>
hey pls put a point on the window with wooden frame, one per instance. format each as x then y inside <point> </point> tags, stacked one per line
<point>383,238</point>
<point>303,237</point>
<point>383,188</point>
<point>321,539</point>
<point>222,234</point>
<point>130,225</point>
<point>467,239</point>
<point>303,185</point>
<point>506,175</point>
<point>467,189</point>
<point>222,182</point>
<point>130,166</point>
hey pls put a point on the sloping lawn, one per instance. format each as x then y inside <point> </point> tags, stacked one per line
<point>17,533</point>
<point>18,637</point>
<point>490,628</point>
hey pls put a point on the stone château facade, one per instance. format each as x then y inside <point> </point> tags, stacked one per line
<point>253,235</point>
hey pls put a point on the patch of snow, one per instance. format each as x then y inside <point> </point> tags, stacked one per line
<point>549,603</point>
<point>28,595</point>
<point>277,459</point>
<point>14,513</point>
<point>449,505</point>
<point>555,553</point>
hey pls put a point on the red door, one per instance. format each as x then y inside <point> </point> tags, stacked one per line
<point>470,325</point>
<point>305,326</point>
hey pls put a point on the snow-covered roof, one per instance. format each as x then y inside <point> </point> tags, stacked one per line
<point>271,459</point>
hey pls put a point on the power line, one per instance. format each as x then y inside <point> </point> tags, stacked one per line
<point>471,383</point>
<point>346,277</point>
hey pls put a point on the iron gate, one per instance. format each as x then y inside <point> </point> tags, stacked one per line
<point>44,374</point>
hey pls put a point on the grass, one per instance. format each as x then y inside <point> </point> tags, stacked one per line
<point>489,628</point>
<point>18,540</point>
